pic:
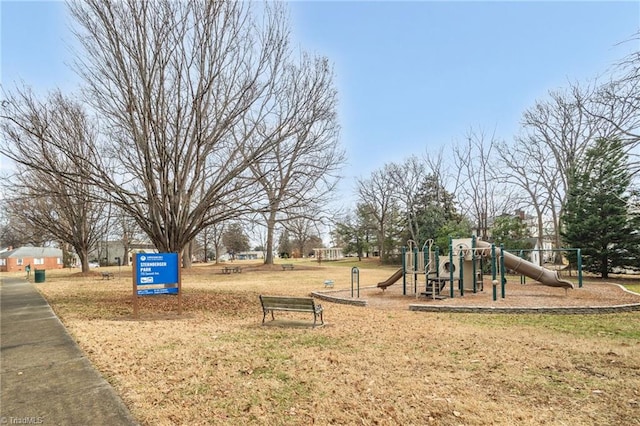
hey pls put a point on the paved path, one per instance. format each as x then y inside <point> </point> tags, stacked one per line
<point>44,376</point>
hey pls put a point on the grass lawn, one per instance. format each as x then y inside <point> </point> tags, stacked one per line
<point>216,363</point>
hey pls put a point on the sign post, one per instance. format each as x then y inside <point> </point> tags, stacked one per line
<point>156,273</point>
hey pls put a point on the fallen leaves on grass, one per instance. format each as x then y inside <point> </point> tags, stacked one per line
<point>216,364</point>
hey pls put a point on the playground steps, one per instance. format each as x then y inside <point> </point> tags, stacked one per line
<point>436,285</point>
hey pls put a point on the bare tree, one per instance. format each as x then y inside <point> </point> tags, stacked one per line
<point>528,168</point>
<point>409,177</point>
<point>16,231</point>
<point>205,244</point>
<point>298,176</point>
<point>122,228</point>
<point>302,230</point>
<point>440,169</point>
<point>214,234</point>
<point>480,191</point>
<point>129,233</point>
<point>184,90</point>
<point>615,105</point>
<point>52,189</point>
<point>564,127</point>
<point>559,130</point>
<point>377,195</point>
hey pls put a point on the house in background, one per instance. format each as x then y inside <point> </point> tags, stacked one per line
<point>107,253</point>
<point>15,260</point>
<point>334,253</point>
<point>249,255</point>
<point>140,248</point>
<point>540,255</point>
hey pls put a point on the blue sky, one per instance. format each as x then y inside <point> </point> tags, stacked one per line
<point>414,75</point>
<point>411,76</point>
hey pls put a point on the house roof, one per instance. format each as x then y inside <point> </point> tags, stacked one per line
<point>35,252</point>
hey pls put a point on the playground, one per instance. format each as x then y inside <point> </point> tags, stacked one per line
<point>476,276</point>
<point>531,296</point>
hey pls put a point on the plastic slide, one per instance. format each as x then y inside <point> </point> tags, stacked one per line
<point>528,269</point>
<point>391,280</point>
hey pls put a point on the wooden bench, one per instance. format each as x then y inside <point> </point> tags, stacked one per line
<point>288,266</point>
<point>230,269</point>
<point>291,304</point>
<point>107,275</point>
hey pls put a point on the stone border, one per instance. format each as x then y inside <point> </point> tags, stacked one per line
<point>326,296</point>
<point>559,310</point>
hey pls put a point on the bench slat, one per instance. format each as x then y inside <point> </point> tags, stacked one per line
<point>287,303</point>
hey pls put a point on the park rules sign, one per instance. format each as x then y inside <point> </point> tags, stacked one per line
<point>156,274</point>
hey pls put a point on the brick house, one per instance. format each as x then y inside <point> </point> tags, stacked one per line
<point>15,260</point>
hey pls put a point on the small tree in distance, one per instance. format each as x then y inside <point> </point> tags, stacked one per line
<point>356,234</point>
<point>284,245</point>
<point>235,240</point>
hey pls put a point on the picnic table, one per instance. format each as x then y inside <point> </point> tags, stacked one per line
<point>230,269</point>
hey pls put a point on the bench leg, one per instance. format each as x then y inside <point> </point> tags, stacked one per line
<point>264,315</point>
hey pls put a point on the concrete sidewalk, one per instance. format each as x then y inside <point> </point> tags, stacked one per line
<point>44,376</point>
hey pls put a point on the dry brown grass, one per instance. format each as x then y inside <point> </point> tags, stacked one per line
<point>216,364</point>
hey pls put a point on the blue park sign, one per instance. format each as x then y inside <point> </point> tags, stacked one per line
<point>157,270</point>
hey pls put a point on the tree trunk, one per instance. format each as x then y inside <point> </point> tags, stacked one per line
<point>540,237</point>
<point>558,239</point>
<point>603,269</point>
<point>205,244</point>
<point>271,225</point>
<point>186,256</point>
<point>381,249</point>
<point>126,248</point>
<point>84,260</point>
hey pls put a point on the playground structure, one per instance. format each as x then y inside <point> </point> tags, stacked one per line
<point>424,272</point>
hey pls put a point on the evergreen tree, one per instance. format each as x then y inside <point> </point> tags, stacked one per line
<point>597,217</point>
<point>235,240</point>
<point>453,228</point>
<point>285,248</point>
<point>512,232</point>
<point>433,211</point>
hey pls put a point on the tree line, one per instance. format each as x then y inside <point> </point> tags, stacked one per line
<point>195,118</point>
<point>192,115</point>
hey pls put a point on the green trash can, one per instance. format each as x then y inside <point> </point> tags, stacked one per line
<point>38,275</point>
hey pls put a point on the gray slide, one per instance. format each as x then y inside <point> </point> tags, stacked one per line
<point>528,269</point>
